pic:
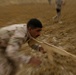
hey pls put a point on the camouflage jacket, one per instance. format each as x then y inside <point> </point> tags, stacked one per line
<point>12,38</point>
<point>59,3</point>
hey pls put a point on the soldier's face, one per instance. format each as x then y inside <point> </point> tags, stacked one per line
<point>35,32</point>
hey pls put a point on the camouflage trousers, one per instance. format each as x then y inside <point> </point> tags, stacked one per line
<point>7,66</point>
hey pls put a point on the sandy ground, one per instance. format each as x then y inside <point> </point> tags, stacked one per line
<point>61,35</point>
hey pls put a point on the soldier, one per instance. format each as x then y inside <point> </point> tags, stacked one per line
<point>11,39</point>
<point>59,4</point>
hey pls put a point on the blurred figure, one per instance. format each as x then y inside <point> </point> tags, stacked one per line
<point>59,4</point>
<point>11,39</point>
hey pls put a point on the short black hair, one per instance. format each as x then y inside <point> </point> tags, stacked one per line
<point>34,23</point>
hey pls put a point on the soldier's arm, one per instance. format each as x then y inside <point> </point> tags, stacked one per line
<point>36,46</point>
<point>15,44</point>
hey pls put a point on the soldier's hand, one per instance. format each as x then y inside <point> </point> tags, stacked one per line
<point>41,49</point>
<point>35,61</point>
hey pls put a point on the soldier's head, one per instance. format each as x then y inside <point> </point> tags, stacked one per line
<point>34,27</point>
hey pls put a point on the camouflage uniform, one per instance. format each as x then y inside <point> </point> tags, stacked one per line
<point>11,39</point>
<point>59,4</point>
<point>57,17</point>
